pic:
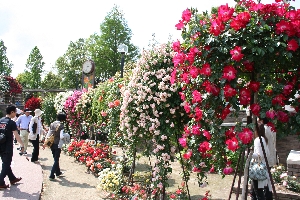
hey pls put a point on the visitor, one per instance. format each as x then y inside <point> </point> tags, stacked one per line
<point>257,187</point>
<point>7,154</point>
<point>271,136</point>
<point>35,129</point>
<point>18,113</point>
<point>23,125</point>
<point>57,129</point>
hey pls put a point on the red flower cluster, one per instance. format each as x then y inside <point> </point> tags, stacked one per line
<point>33,103</point>
<point>15,86</point>
<point>95,158</point>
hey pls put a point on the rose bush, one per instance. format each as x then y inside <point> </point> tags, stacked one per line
<point>151,117</point>
<point>246,55</point>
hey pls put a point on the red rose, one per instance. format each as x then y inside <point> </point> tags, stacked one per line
<point>246,136</point>
<point>232,144</point>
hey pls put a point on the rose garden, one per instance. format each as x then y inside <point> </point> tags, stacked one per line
<point>170,105</point>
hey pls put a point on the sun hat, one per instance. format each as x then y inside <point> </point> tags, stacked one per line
<point>27,110</point>
<point>38,112</point>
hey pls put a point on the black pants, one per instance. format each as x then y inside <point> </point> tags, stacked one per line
<point>6,169</point>
<point>260,193</point>
<point>56,154</point>
<point>36,149</point>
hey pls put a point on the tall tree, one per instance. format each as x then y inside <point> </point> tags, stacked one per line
<point>70,62</point>
<point>51,81</point>
<point>114,31</point>
<point>34,67</point>
<point>5,64</point>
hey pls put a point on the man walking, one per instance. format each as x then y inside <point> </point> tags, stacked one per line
<point>7,153</point>
<point>23,125</point>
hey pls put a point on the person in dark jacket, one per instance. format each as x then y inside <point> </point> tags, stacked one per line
<point>7,147</point>
<point>57,129</point>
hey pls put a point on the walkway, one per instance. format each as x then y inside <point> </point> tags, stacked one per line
<point>30,186</point>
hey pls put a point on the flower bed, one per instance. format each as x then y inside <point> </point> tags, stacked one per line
<point>95,157</point>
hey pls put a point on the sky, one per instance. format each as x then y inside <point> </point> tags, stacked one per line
<point>52,25</point>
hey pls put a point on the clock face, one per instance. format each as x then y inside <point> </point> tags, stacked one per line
<point>88,67</point>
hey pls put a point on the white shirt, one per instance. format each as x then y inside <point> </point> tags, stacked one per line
<point>271,136</point>
<point>39,127</point>
<point>259,152</point>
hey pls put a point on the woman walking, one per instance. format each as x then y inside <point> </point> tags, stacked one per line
<point>57,129</point>
<point>258,186</point>
<point>35,128</point>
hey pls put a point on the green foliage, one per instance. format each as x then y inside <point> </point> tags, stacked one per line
<point>49,110</point>
<point>71,61</point>
<point>34,69</point>
<point>23,78</point>
<point>5,64</point>
<point>51,81</point>
<point>114,31</point>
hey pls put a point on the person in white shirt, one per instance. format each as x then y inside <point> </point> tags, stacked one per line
<point>35,128</point>
<point>271,136</point>
<point>259,187</point>
<point>23,125</point>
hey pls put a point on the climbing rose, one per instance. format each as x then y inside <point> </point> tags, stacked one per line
<point>245,95</point>
<point>186,15</point>
<point>196,97</point>
<point>282,116</point>
<point>246,136</point>
<point>187,155</point>
<point>230,133</point>
<point>205,70</point>
<point>236,53</point>
<point>270,114</point>
<point>292,45</point>
<point>229,91</point>
<point>229,73</point>
<point>182,142</point>
<point>255,108</point>
<point>227,170</point>
<point>254,86</point>
<point>207,134</point>
<point>204,147</point>
<point>232,144</point>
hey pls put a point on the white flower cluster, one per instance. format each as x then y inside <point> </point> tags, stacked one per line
<point>60,100</point>
<point>111,178</point>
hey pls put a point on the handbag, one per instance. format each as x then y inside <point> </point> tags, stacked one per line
<point>258,170</point>
<point>49,141</point>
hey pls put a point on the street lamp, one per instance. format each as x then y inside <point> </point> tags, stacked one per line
<point>122,48</point>
<point>77,72</point>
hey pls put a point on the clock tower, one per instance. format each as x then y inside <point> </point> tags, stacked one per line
<point>88,77</point>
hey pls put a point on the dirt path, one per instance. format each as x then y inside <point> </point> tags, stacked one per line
<point>77,184</point>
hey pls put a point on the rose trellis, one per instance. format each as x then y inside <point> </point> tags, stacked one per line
<point>151,115</point>
<point>246,55</point>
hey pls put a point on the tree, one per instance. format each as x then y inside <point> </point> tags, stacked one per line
<point>51,81</point>
<point>23,78</point>
<point>5,64</point>
<point>103,48</point>
<point>71,61</point>
<point>34,69</point>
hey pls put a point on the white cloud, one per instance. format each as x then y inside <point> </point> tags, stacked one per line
<point>51,25</point>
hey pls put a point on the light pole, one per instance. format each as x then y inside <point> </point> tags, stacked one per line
<point>122,48</point>
<point>77,72</point>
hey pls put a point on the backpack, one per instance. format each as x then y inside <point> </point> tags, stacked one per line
<point>3,129</point>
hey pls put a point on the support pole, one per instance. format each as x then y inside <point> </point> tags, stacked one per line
<point>235,173</point>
